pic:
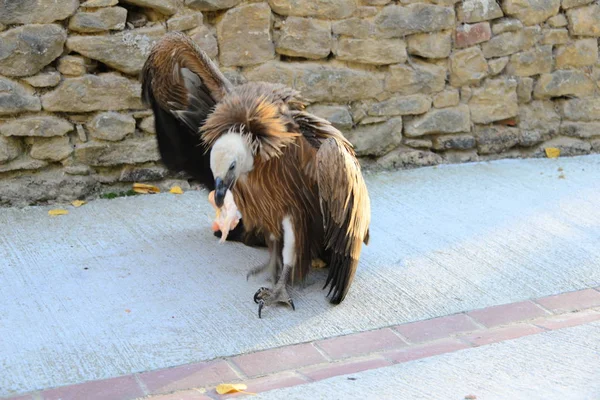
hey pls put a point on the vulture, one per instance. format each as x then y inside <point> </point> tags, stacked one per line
<point>294,177</point>
<point>179,143</point>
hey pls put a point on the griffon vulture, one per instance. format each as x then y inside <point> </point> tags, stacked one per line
<point>294,177</point>
<point>179,143</point>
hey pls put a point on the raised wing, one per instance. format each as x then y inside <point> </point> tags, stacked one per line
<point>182,85</point>
<point>346,209</point>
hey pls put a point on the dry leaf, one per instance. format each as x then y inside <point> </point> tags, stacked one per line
<point>470,397</point>
<point>78,203</point>
<point>144,188</point>
<point>552,152</point>
<point>58,211</point>
<point>176,190</point>
<point>224,388</point>
<point>127,310</point>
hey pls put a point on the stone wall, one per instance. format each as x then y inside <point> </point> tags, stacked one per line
<point>410,82</point>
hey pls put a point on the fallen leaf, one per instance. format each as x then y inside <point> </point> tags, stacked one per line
<point>224,388</point>
<point>470,397</point>
<point>78,203</point>
<point>560,169</point>
<point>176,190</point>
<point>552,152</point>
<point>127,310</point>
<point>144,188</point>
<point>58,211</point>
<point>561,176</point>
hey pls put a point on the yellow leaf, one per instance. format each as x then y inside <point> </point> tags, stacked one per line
<point>58,211</point>
<point>552,152</point>
<point>78,203</point>
<point>144,188</point>
<point>176,190</point>
<point>224,388</point>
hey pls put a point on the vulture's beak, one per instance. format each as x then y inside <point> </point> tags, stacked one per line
<point>220,190</point>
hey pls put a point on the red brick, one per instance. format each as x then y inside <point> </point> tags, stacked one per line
<point>182,395</point>
<point>360,343</point>
<point>572,301</point>
<point>507,313</point>
<point>188,376</point>
<point>351,366</point>
<point>281,359</point>
<point>122,388</point>
<point>567,320</point>
<point>470,34</point>
<point>500,334</point>
<point>426,350</point>
<point>436,328</point>
<point>266,383</point>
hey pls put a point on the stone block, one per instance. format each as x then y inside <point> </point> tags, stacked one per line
<point>305,37</point>
<point>467,67</point>
<point>111,126</point>
<point>376,139</point>
<point>430,45</point>
<point>495,101</point>
<point>468,35</point>
<point>371,51</point>
<point>446,120</point>
<point>103,19</point>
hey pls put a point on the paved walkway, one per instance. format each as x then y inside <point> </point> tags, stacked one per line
<point>129,285</point>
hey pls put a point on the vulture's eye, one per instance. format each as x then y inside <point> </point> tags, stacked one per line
<point>232,166</point>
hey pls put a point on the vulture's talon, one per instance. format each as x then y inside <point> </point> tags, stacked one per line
<point>261,303</point>
<point>292,304</point>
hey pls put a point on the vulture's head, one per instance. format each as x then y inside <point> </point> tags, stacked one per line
<point>230,159</point>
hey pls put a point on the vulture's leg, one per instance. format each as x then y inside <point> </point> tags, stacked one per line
<point>274,262</point>
<point>279,294</point>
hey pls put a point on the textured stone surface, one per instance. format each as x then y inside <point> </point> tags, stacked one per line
<point>206,39</point>
<point>167,7</point>
<point>405,105</point>
<point>128,152</point>
<point>72,65</point>
<point>27,49</point>
<point>538,121</point>
<point>94,92</point>
<point>98,3</point>
<point>211,5</point>
<point>419,77</point>
<point>467,67</point>
<point>51,149</point>
<point>371,51</point>
<point>10,148</point>
<point>495,138</point>
<point>524,89</point>
<point>125,52</point>
<point>580,53</point>
<point>506,25</point>
<point>397,21</point>
<point>41,126</point>
<point>15,98</point>
<point>583,130</point>
<point>326,9</point>
<point>497,65</point>
<point>430,45</point>
<point>503,44</point>
<point>44,79</point>
<point>555,36</point>
<point>376,139</point>
<point>23,163</point>
<point>409,158</point>
<point>104,19</point>
<point>531,12</point>
<point>305,37</point>
<point>446,120</point>
<point>580,109</point>
<point>531,62</point>
<point>447,98</point>
<point>566,4</point>
<point>185,22</point>
<point>148,125</point>
<point>585,21</point>
<point>339,116</point>
<point>447,142</point>
<point>468,35</point>
<point>36,11</point>
<point>563,83</point>
<point>478,10</point>
<point>239,24</point>
<point>111,126</point>
<point>355,27</point>
<point>558,21</point>
<point>496,100</point>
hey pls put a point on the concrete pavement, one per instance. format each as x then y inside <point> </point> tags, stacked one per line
<point>136,284</point>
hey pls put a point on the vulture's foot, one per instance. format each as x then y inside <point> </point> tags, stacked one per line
<point>257,270</point>
<point>266,297</point>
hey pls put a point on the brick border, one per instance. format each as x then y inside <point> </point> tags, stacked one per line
<point>308,362</point>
